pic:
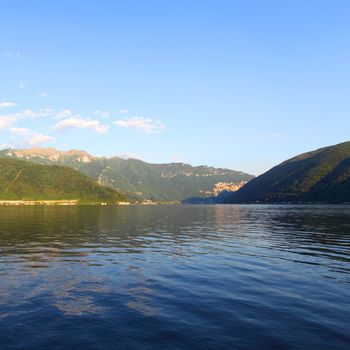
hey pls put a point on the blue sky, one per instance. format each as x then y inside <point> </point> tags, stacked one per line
<point>237,84</point>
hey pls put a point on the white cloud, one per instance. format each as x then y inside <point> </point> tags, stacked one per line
<point>22,84</point>
<point>146,125</point>
<point>32,138</point>
<point>7,104</point>
<point>43,94</point>
<point>19,131</point>
<point>127,155</point>
<point>39,139</point>
<point>123,111</point>
<point>78,122</point>
<point>6,121</point>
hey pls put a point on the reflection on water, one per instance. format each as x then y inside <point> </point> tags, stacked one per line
<point>189,277</point>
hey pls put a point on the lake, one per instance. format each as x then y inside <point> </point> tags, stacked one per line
<point>175,277</point>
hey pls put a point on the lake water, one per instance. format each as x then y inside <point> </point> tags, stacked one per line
<point>175,277</point>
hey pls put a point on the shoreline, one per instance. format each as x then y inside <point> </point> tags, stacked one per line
<point>71,202</point>
<point>40,202</point>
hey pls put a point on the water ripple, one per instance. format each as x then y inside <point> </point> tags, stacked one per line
<point>175,277</point>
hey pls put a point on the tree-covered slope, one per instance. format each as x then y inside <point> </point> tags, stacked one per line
<point>318,176</point>
<point>22,180</point>
<point>164,182</point>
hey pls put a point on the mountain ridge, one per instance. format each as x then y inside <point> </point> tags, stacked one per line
<point>142,180</point>
<point>321,176</point>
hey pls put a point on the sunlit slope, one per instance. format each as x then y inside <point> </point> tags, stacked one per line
<point>29,181</point>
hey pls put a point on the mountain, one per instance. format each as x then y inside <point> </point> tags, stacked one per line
<point>318,176</point>
<point>162,182</point>
<point>22,180</point>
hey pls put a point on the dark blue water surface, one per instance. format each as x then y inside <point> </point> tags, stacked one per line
<point>175,277</point>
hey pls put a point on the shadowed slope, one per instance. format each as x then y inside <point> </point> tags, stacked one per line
<point>319,176</point>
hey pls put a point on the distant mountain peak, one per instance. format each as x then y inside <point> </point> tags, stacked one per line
<point>49,153</point>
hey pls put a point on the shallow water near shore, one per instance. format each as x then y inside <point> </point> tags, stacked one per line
<point>175,277</point>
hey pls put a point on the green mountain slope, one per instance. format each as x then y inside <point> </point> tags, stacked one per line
<point>167,182</point>
<point>29,181</point>
<point>318,176</point>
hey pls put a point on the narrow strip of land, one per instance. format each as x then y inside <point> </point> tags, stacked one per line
<point>40,202</point>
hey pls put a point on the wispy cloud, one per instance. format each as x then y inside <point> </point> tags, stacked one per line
<point>77,122</point>
<point>6,121</point>
<point>38,139</point>
<point>7,145</point>
<point>30,137</point>
<point>22,84</point>
<point>19,131</point>
<point>7,104</point>
<point>67,120</point>
<point>42,94</point>
<point>123,111</point>
<point>272,136</point>
<point>33,114</point>
<point>146,125</point>
<point>176,158</point>
<point>12,54</point>
<point>102,114</point>
<point>65,113</point>
<point>45,112</point>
